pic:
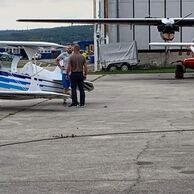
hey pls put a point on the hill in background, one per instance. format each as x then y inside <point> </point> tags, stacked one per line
<point>61,35</point>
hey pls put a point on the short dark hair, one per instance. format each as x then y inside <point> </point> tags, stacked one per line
<point>76,47</point>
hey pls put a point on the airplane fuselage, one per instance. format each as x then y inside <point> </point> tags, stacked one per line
<point>188,63</point>
<point>20,82</point>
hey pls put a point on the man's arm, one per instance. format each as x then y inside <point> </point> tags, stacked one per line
<point>59,60</point>
<point>68,68</point>
<point>85,70</point>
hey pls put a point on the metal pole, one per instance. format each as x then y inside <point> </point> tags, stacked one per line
<point>166,48</point>
<point>94,8</point>
<point>95,39</point>
<point>105,26</point>
<point>133,17</point>
<point>181,15</point>
<point>149,14</point>
<point>117,16</point>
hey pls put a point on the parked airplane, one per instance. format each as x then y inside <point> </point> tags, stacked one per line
<point>181,65</point>
<point>166,26</point>
<point>32,81</point>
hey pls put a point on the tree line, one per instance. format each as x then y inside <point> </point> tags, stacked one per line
<point>61,35</point>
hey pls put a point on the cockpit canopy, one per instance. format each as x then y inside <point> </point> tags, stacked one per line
<point>9,62</point>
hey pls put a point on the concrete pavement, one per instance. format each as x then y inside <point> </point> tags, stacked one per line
<point>135,135</point>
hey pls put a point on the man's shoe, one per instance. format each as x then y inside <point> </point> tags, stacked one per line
<point>72,105</point>
<point>81,106</point>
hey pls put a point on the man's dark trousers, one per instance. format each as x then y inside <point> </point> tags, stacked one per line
<point>77,80</point>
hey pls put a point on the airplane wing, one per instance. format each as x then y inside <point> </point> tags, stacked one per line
<point>26,95</point>
<point>166,26</point>
<point>171,44</point>
<point>139,21</point>
<point>30,47</point>
<point>31,44</point>
<point>121,21</point>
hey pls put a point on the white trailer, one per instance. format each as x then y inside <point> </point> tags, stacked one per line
<point>122,55</point>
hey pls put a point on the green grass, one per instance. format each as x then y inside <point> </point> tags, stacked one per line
<point>140,71</point>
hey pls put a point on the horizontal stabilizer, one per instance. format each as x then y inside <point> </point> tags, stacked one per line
<point>88,86</point>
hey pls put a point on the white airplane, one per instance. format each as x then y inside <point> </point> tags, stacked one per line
<point>32,81</point>
<point>166,26</point>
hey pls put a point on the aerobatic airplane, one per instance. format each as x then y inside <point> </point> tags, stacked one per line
<point>32,81</point>
<point>166,26</point>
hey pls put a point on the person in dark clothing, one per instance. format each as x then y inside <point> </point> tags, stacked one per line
<point>77,69</point>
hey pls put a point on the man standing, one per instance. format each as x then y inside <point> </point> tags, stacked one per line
<point>62,62</point>
<point>77,68</point>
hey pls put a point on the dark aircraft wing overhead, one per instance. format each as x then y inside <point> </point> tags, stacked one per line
<point>124,21</point>
<point>184,22</point>
<point>121,21</point>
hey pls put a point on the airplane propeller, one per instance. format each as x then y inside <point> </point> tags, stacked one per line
<point>168,27</point>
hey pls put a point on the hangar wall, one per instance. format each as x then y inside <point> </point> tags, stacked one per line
<point>145,8</point>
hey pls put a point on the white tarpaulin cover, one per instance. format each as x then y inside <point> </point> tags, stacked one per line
<point>116,52</point>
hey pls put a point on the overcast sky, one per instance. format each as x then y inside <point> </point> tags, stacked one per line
<point>11,10</point>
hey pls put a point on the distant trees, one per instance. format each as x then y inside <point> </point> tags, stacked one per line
<point>62,35</point>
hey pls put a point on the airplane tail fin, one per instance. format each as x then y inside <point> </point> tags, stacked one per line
<point>192,48</point>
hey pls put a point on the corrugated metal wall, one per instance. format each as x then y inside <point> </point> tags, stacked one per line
<point>145,8</point>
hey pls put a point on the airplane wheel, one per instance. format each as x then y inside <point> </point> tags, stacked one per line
<point>179,73</point>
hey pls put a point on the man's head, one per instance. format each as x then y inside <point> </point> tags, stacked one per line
<point>76,48</point>
<point>69,49</point>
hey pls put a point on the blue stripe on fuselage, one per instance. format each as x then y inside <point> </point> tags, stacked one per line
<point>9,80</point>
<point>4,73</point>
<point>9,86</point>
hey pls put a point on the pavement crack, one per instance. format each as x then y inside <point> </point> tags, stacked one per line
<point>63,180</point>
<point>61,136</point>
<point>21,110</point>
<point>138,179</point>
<point>139,163</point>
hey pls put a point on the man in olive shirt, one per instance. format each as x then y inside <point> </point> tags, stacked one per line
<point>77,69</point>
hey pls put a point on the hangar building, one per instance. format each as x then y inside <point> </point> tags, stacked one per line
<point>140,9</point>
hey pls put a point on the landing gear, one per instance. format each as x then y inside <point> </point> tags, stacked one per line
<point>179,73</point>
